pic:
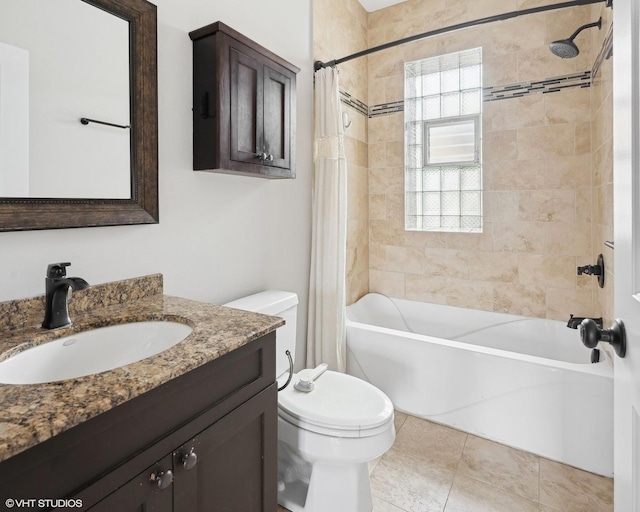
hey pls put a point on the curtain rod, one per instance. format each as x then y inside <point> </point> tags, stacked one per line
<point>490,19</point>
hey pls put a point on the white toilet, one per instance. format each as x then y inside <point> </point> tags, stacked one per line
<point>327,435</point>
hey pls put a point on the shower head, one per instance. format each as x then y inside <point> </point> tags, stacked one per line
<point>566,48</point>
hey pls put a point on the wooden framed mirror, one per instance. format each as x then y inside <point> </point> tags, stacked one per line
<point>139,203</point>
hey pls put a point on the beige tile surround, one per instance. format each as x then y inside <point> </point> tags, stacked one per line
<point>547,161</point>
<point>433,468</point>
<point>537,172</point>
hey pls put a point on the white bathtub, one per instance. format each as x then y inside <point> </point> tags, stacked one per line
<point>524,382</point>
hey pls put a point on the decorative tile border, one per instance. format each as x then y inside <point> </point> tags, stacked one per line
<point>386,108</point>
<point>503,92</point>
<point>493,93</point>
<point>354,103</point>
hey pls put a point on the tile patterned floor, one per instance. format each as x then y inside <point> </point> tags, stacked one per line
<point>433,468</point>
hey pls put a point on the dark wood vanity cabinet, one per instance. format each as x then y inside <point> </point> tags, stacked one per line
<point>244,106</point>
<point>222,469</point>
<point>205,441</point>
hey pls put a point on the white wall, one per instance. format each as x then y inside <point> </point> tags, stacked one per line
<point>220,237</point>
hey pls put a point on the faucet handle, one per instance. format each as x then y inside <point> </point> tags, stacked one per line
<point>57,270</point>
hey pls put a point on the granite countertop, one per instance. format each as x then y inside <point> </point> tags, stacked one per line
<point>31,414</point>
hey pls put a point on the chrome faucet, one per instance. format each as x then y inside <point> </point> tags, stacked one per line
<point>56,312</point>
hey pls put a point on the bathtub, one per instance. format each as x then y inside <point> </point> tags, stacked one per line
<point>524,382</point>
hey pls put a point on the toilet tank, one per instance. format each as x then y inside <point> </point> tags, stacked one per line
<point>275,303</point>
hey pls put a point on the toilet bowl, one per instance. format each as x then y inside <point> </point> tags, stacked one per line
<point>326,436</point>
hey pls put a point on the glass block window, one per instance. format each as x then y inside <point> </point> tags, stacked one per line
<point>443,150</point>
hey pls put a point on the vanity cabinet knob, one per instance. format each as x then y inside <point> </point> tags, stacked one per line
<point>270,158</point>
<point>261,156</point>
<point>189,460</point>
<point>163,479</point>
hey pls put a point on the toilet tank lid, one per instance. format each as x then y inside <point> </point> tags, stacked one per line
<point>268,302</point>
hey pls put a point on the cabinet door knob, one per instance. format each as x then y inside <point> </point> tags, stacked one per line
<point>163,479</point>
<point>270,158</point>
<point>261,156</point>
<point>189,460</point>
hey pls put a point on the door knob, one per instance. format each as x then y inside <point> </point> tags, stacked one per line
<point>261,156</point>
<point>269,157</point>
<point>591,334</point>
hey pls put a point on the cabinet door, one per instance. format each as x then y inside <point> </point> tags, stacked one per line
<point>277,117</point>
<point>142,493</point>
<point>236,468</point>
<point>247,96</point>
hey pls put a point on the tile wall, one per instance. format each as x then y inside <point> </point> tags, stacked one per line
<point>602,161</point>
<point>547,160</point>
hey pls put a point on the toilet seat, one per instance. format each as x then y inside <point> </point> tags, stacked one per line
<point>340,405</point>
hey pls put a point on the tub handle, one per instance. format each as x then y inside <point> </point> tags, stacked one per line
<point>594,270</point>
<point>591,334</point>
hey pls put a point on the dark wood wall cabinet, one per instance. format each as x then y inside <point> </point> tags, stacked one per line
<point>244,106</point>
<point>205,441</point>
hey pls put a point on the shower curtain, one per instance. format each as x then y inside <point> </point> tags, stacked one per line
<point>327,286</point>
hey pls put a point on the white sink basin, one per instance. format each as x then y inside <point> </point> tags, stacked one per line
<point>90,352</point>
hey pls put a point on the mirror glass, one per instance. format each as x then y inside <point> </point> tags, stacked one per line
<point>61,61</point>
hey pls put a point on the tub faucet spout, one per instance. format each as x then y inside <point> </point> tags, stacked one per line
<point>56,312</point>
<point>574,321</point>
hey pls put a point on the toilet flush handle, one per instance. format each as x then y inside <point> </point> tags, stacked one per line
<point>306,384</point>
<point>288,354</point>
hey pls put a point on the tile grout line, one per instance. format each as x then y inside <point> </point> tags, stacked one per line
<point>466,439</point>
<point>393,505</point>
<point>539,482</point>
<point>497,487</point>
<point>510,493</point>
